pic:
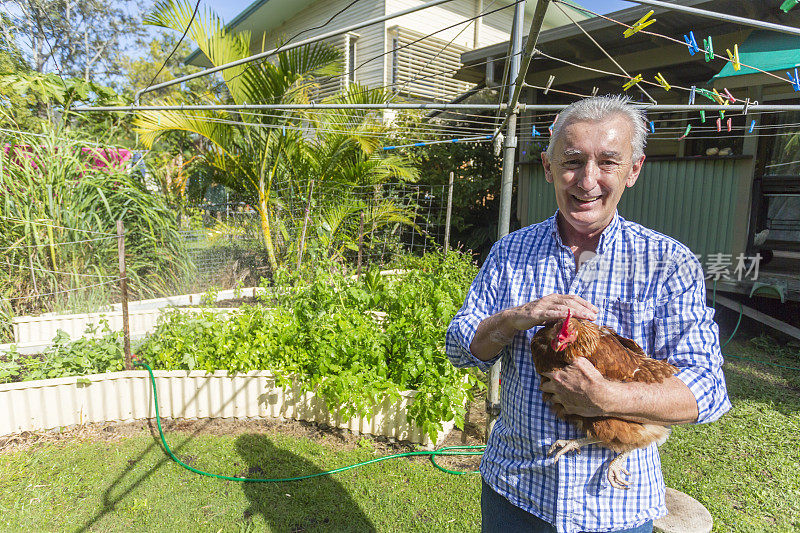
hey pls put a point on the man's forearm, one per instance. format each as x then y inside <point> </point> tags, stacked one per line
<point>668,402</point>
<point>493,334</point>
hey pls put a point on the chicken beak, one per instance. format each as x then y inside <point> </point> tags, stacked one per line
<point>558,345</point>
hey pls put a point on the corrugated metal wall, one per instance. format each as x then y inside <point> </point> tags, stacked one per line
<point>704,203</point>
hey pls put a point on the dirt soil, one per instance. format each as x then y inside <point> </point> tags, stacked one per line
<point>334,438</point>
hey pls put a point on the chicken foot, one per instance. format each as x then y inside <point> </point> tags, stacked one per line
<point>569,446</point>
<point>616,470</point>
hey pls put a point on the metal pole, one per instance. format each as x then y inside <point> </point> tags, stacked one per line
<point>33,274</point>
<point>719,16</point>
<point>444,107</point>
<point>298,44</point>
<point>493,395</point>
<point>360,244</point>
<point>123,285</point>
<point>449,212</point>
<point>305,225</point>
<point>527,55</point>
<point>291,107</point>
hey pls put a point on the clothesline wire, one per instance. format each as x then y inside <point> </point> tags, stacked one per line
<point>39,223</point>
<point>26,267</point>
<point>61,292</point>
<point>655,34</point>
<point>9,248</point>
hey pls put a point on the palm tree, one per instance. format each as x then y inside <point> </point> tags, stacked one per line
<point>343,156</point>
<point>258,155</point>
<point>246,151</point>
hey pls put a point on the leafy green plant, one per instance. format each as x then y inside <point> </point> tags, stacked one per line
<point>98,351</point>
<point>209,297</point>
<point>58,215</point>
<point>355,342</point>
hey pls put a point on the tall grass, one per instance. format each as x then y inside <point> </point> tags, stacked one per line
<point>52,200</point>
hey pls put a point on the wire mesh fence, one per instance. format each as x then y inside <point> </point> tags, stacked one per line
<point>309,222</point>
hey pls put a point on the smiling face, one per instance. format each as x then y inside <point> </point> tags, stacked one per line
<point>591,166</point>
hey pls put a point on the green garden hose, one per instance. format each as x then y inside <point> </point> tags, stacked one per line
<point>450,450</point>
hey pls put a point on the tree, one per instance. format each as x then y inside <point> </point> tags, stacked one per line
<point>476,194</point>
<point>255,154</point>
<point>157,66</point>
<point>79,38</point>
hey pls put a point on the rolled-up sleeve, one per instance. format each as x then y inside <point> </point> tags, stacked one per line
<point>481,302</point>
<point>687,336</point>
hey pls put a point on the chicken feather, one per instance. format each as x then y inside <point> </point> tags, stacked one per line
<point>559,343</point>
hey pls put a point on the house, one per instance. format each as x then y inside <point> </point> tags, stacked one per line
<point>727,208</point>
<point>414,55</point>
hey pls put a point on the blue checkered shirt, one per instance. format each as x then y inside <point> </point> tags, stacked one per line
<point>648,287</point>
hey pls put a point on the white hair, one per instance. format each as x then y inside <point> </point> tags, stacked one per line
<point>598,108</point>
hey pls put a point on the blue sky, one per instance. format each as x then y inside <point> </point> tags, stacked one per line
<point>230,8</point>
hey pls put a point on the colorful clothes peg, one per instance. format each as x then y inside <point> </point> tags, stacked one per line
<point>789,4</point>
<point>709,49</point>
<point>752,126</point>
<point>549,83</point>
<point>636,79</point>
<point>718,97</point>
<point>795,81</point>
<point>719,124</point>
<point>639,25</point>
<point>685,133</point>
<point>652,127</point>
<point>729,95</point>
<point>703,116</point>
<point>691,42</point>
<point>535,133</point>
<point>734,57</point>
<point>660,79</point>
<point>691,95</point>
<point>729,124</point>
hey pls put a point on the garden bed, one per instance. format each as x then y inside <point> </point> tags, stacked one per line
<point>42,329</point>
<point>127,396</point>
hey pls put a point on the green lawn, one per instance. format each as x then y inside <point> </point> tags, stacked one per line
<point>744,469</point>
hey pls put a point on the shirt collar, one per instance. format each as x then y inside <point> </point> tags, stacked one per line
<point>607,238</point>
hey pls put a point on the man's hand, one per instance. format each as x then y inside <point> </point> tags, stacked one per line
<point>579,387</point>
<point>550,307</point>
<point>583,391</point>
<point>496,331</point>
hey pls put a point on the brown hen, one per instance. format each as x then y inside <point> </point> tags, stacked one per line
<point>618,359</point>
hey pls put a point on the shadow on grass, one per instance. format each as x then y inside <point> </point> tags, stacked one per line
<point>316,504</point>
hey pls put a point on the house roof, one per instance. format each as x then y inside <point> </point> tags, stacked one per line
<point>261,15</point>
<point>639,54</point>
<point>265,15</point>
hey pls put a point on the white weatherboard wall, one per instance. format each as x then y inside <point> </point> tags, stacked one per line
<point>370,41</point>
<point>127,396</point>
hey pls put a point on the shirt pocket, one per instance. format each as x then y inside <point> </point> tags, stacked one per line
<point>632,319</point>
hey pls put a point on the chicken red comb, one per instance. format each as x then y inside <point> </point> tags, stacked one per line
<point>564,331</point>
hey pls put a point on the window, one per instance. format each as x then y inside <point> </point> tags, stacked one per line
<point>395,45</point>
<point>351,59</point>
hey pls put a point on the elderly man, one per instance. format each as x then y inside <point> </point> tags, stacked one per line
<point>589,260</point>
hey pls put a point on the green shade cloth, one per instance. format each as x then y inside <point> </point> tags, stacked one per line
<point>766,50</point>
